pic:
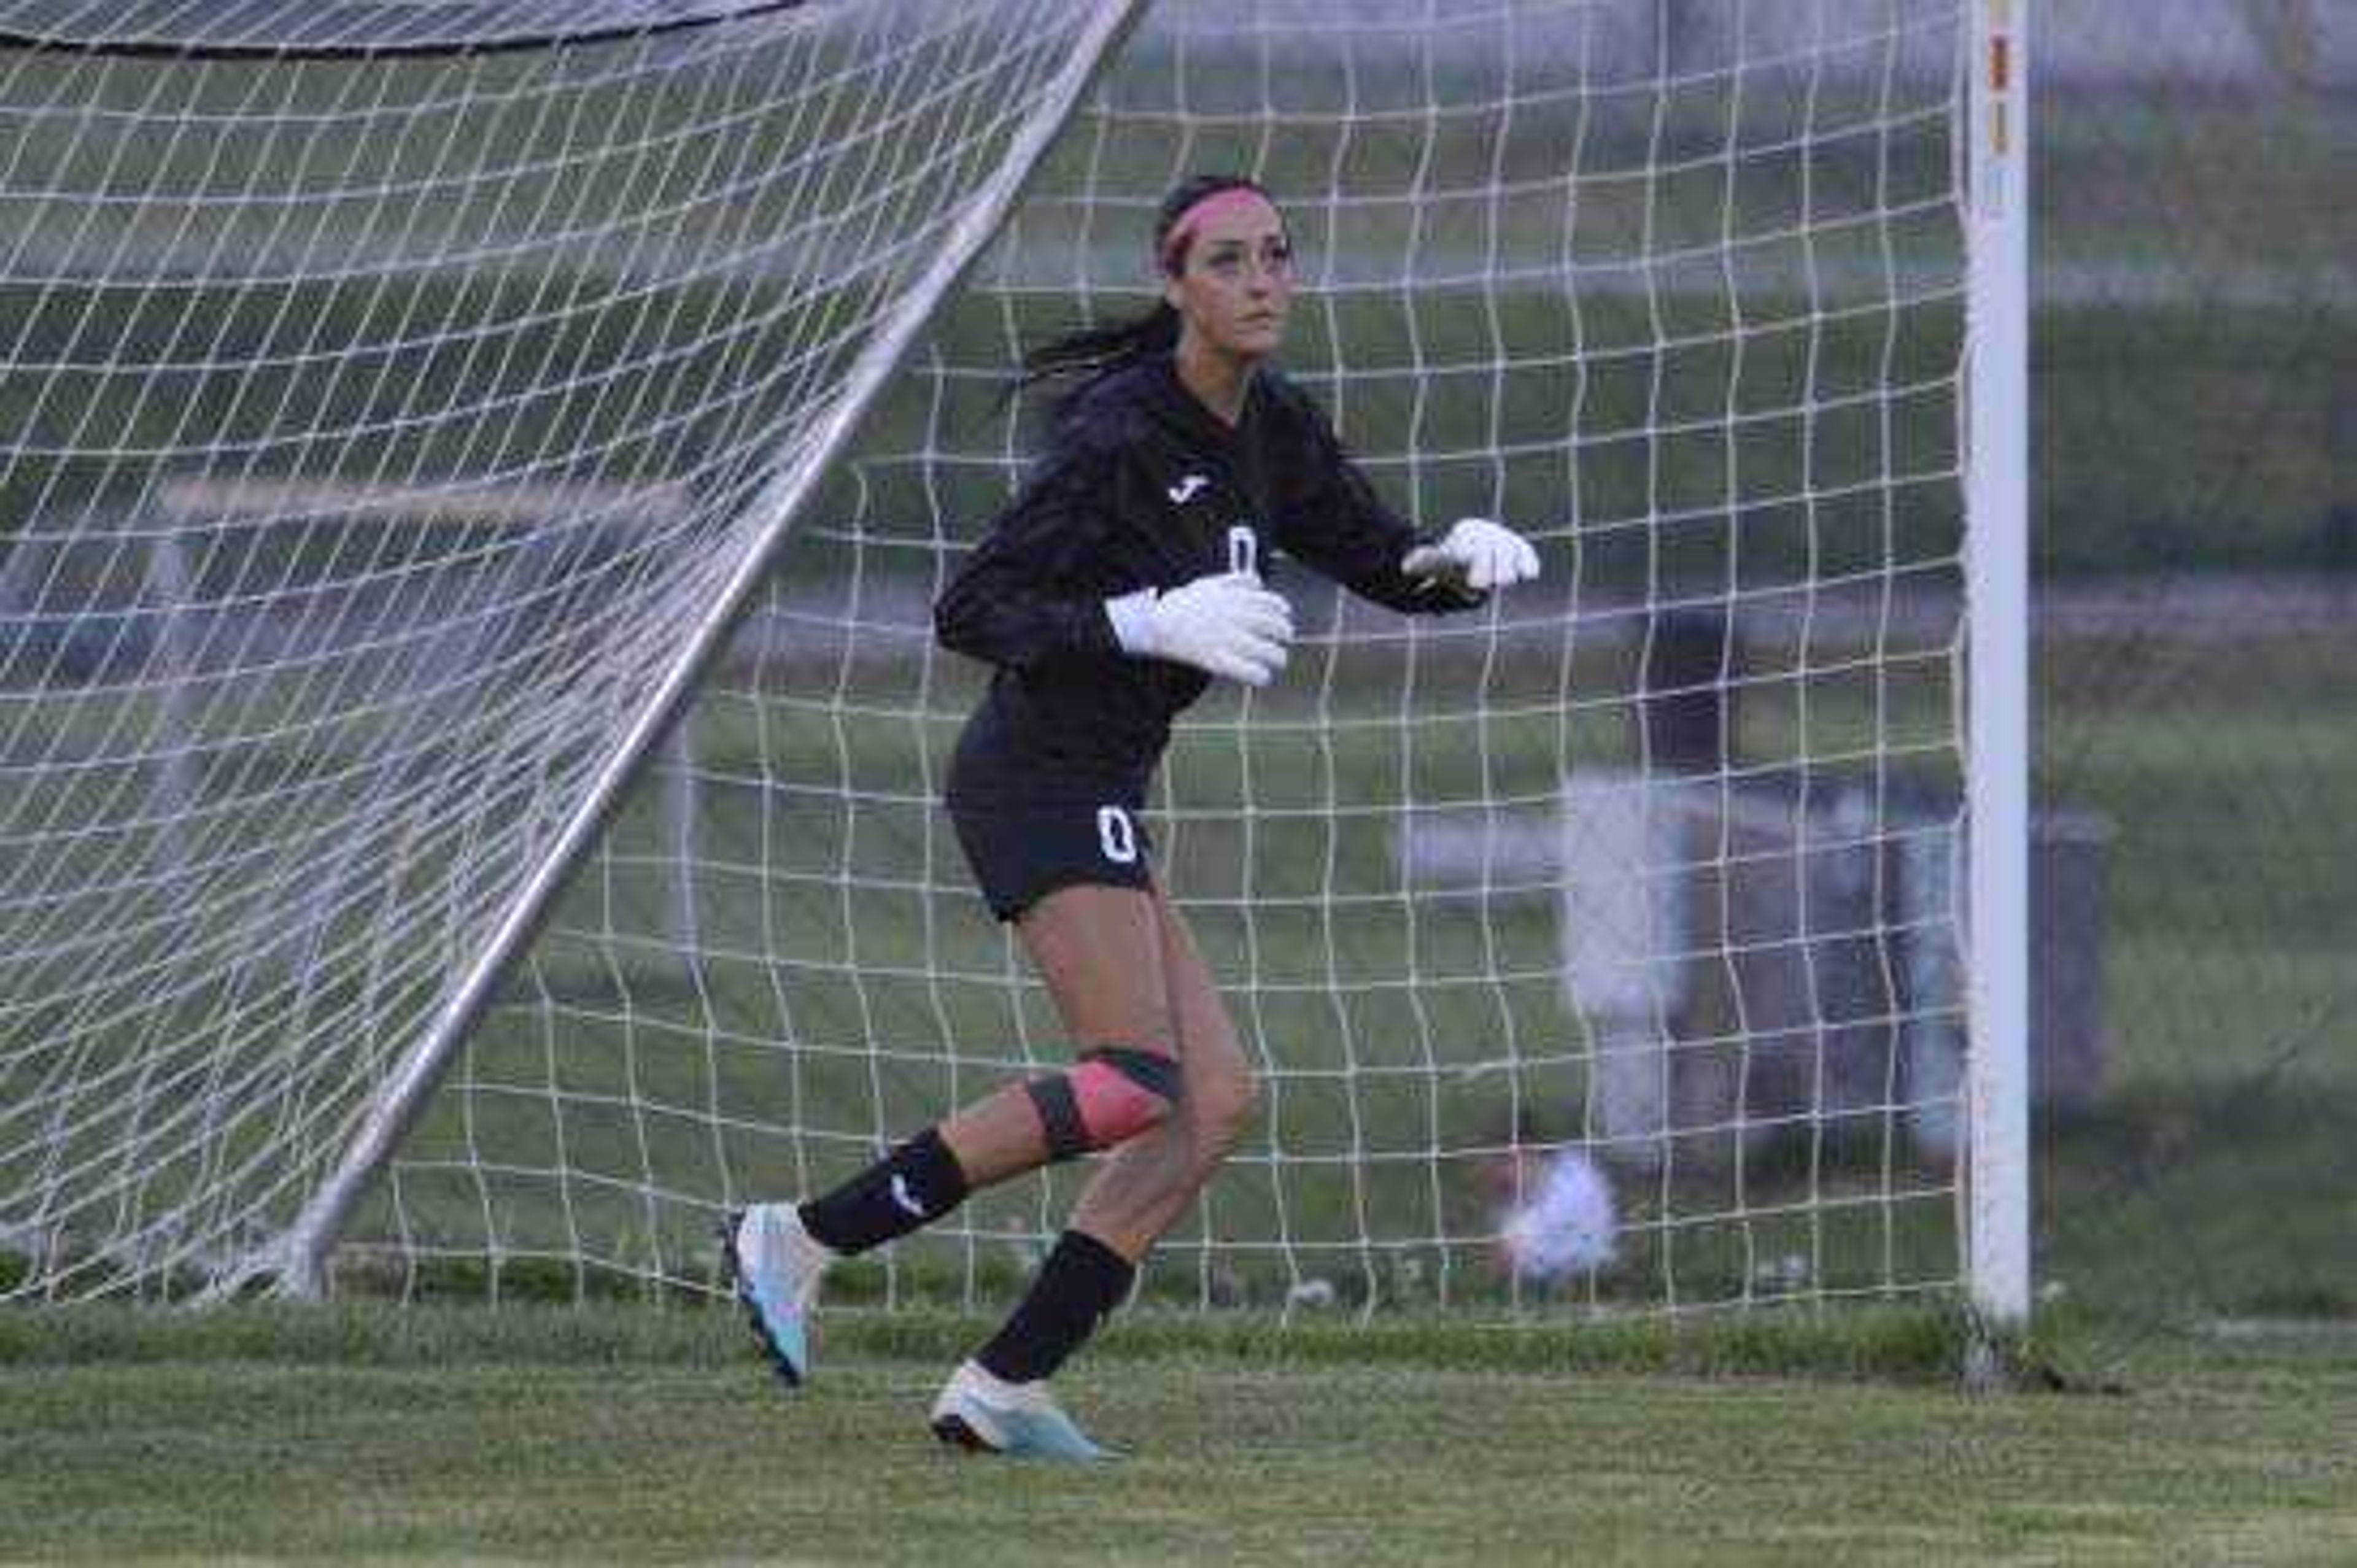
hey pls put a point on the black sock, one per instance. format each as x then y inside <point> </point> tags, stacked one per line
<point>914,1185</point>
<point>1078,1286</point>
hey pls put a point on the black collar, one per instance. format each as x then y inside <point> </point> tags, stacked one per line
<point>1201,425</point>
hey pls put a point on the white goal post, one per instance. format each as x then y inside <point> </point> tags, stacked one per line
<point>1998,748</point>
<point>474,739</point>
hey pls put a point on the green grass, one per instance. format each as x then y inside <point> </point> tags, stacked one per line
<point>631,1435</point>
<point>2209,1174</point>
<point>2214,1172</point>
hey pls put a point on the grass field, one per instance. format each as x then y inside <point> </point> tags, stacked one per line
<point>618,1093</point>
<point>635,1436</point>
<point>2211,1176</point>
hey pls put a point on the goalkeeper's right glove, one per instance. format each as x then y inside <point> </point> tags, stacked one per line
<point>1477,555</point>
<point>1226,625</point>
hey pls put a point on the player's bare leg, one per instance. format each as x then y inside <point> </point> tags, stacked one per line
<point>1105,955</point>
<point>1100,949</point>
<point>1142,1188</point>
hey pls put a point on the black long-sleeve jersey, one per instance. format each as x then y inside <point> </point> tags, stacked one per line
<point>1143,487</point>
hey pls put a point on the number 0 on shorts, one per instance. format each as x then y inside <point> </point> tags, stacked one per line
<point>1118,836</point>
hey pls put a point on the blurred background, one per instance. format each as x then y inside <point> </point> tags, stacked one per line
<point>2194,333</point>
<point>2196,485</point>
<point>1536,235</point>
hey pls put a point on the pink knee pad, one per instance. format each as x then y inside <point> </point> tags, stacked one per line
<point>1110,1097</point>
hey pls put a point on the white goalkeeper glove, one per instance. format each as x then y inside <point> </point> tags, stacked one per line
<point>1478,553</point>
<point>1226,625</point>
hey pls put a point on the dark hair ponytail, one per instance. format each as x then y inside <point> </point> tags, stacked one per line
<point>1093,353</point>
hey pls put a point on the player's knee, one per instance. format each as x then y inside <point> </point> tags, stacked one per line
<point>1112,1095</point>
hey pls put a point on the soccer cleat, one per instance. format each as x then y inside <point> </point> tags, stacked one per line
<point>984,1414</point>
<point>776,1266</point>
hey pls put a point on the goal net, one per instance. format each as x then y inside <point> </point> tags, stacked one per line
<point>396,393</point>
<point>368,485</point>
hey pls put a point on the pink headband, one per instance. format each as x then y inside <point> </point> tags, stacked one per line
<point>1202,210</point>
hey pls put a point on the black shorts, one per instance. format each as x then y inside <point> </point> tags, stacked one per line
<point>1021,853</point>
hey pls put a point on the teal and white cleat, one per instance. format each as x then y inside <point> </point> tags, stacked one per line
<point>983,1415</point>
<point>776,1266</point>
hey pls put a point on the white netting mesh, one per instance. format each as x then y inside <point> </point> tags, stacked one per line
<point>379,425</point>
<point>1652,864</point>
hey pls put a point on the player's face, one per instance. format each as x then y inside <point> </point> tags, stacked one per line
<point>1237,282</point>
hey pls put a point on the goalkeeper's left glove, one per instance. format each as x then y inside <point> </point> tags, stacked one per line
<point>1478,553</point>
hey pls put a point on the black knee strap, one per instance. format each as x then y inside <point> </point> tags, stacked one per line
<point>1150,1070</point>
<point>1059,1116</point>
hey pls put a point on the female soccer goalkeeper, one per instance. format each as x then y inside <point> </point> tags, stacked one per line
<point>1123,580</point>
